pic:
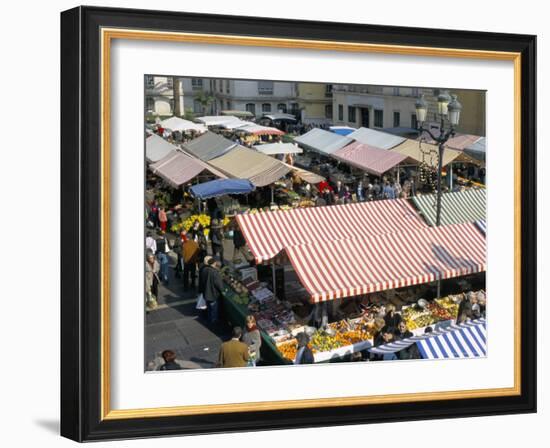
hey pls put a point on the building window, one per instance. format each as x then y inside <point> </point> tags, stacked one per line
<point>351,114</point>
<point>376,89</point>
<point>149,104</point>
<point>170,82</point>
<point>396,119</point>
<point>265,87</point>
<point>228,105</point>
<point>294,109</point>
<point>414,122</point>
<point>251,107</point>
<point>340,112</point>
<point>328,90</point>
<point>149,82</point>
<point>227,86</point>
<point>196,83</point>
<point>328,111</point>
<point>396,91</point>
<point>378,118</point>
<point>266,107</point>
<point>281,107</point>
<point>415,91</point>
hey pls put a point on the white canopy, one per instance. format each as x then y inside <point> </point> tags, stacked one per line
<point>219,120</point>
<point>378,139</point>
<point>157,148</point>
<point>179,124</point>
<point>278,148</point>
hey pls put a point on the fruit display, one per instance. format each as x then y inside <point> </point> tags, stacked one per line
<point>353,337</point>
<point>439,312</point>
<point>288,349</point>
<point>416,317</point>
<point>450,305</point>
<point>321,341</point>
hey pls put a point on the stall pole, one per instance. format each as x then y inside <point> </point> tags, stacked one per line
<point>272,195</point>
<point>273,275</point>
<point>451,176</point>
<point>398,179</point>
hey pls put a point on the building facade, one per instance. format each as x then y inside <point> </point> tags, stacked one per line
<point>315,103</point>
<point>256,97</point>
<point>377,107</point>
<point>382,107</point>
<point>170,95</point>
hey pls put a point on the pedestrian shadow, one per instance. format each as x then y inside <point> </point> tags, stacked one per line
<point>203,361</point>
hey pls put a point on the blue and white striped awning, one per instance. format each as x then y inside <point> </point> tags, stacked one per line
<point>482,225</point>
<point>467,340</point>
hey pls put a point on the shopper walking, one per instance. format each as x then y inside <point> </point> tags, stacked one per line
<point>234,353</point>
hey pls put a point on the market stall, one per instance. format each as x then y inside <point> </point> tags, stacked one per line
<point>221,187</point>
<point>321,141</point>
<point>179,124</point>
<point>456,207</point>
<point>178,168</point>
<point>369,158</point>
<point>482,226</point>
<point>477,150</point>
<point>425,153</point>
<point>244,163</point>
<point>467,340</point>
<point>342,130</point>
<point>271,149</point>
<point>267,234</point>
<point>218,120</point>
<point>345,268</point>
<point>156,148</point>
<point>378,139</point>
<point>209,146</point>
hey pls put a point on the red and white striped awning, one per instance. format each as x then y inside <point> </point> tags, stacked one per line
<point>344,268</point>
<point>268,233</point>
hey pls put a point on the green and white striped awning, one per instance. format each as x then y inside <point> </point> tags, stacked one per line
<point>456,207</point>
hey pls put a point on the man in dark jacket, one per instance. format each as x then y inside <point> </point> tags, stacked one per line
<point>216,238</point>
<point>304,355</point>
<point>239,244</point>
<point>211,286</point>
<point>464,309</point>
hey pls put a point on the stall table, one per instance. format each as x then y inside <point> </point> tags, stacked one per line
<point>236,314</point>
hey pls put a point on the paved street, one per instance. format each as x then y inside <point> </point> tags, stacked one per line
<point>176,325</point>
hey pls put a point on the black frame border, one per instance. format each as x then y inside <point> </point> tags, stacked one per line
<point>81,223</point>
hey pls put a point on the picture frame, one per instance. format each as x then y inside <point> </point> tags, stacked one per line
<point>86,36</point>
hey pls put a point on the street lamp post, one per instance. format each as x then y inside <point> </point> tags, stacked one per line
<point>448,109</point>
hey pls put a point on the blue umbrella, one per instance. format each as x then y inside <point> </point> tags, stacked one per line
<point>219,187</point>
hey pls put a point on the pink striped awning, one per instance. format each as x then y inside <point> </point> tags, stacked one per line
<point>369,158</point>
<point>178,168</point>
<point>268,233</point>
<point>345,268</point>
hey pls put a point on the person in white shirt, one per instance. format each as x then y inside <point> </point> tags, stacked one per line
<point>150,243</point>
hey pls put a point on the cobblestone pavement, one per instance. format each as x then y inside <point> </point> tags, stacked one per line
<point>178,326</point>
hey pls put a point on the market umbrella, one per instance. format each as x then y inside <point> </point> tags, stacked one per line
<point>220,187</point>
